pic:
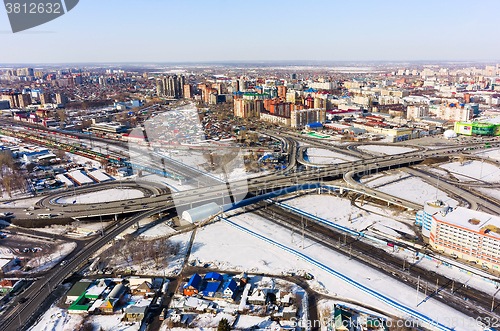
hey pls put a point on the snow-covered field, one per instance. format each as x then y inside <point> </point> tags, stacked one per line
<point>318,155</point>
<point>381,179</point>
<point>491,153</point>
<point>416,190</point>
<point>473,170</point>
<point>57,319</point>
<point>114,194</point>
<point>19,203</point>
<point>159,230</point>
<point>383,149</point>
<point>339,210</point>
<point>491,192</point>
<point>231,247</point>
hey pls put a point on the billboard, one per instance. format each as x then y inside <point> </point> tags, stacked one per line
<point>465,129</point>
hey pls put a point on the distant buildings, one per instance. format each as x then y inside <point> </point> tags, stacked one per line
<point>300,118</point>
<point>17,100</point>
<point>171,86</point>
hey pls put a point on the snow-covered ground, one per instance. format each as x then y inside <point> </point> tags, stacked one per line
<point>474,170</point>
<point>383,149</point>
<point>225,246</point>
<point>57,319</point>
<point>45,262</point>
<point>78,159</point>
<point>491,153</point>
<point>318,155</point>
<point>174,263</point>
<point>339,210</point>
<point>416,190</point>
<point>114,194</point>
<point>159,230</point>
<point>491,192</point>
<point>381,179</point>
<point>23,203</point>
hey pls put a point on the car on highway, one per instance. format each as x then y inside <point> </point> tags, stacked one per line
<point>22,300</point>
<point>28,213</point>
<point>64,262</point>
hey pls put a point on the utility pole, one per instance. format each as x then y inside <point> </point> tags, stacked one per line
<point>426,283</point>
<point>437,186</point>
<point>493,301</point>
<point>452,285</point>
<point>418,284</point>
<point>350,248</point>
<point>302,232</point>
<point>345,238</point>
<point>481,172</point>
<point>100,216</point>
<point>437,285</point>
<point>404,260</point>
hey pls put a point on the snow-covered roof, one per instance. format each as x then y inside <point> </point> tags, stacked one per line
<point>80,177</point>
<point>99,175</point>
<point>472,220</point>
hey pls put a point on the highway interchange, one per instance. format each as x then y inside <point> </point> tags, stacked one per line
<point>158,199</point>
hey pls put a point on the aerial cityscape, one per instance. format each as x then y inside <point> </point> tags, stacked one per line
<point>248,190</point>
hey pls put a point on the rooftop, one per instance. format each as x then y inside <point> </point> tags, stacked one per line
<point>472,220</point>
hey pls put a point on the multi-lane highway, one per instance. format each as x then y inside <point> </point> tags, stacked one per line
<point>158,199</point>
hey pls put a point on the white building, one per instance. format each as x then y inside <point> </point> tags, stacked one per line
<point>463,233</point>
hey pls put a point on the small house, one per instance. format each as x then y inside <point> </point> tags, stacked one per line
<point>135,313</point>
<point>284,298</point>
<point>258,297</point>
<point>230,290</point>
<point>145,287</point>
<point>77,290</point>
<point>193,286</point>
<point>9,285</point>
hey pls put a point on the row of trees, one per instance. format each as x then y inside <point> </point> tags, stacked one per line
<point>11,179</point>
<point>132,251</point>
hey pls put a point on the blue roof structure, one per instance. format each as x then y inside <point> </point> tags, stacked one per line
<point>232,286</point>
<point>311,90</point>
<point>194,281</point>
<point>314,125</point>
<point>213,276</point>
<point>210,289</point>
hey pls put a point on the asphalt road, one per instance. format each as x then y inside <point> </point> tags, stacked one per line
<point>37,293</point>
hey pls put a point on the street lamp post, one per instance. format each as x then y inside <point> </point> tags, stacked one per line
<point>100,216</point>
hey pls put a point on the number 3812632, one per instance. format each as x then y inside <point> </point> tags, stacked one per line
<point>33,8</point>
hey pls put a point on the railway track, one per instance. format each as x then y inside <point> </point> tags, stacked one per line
<point>479,303</point>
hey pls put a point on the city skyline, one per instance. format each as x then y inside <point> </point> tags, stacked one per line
<point>121,32</point>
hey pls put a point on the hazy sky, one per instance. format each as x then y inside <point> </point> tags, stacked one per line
<point>224,30</point>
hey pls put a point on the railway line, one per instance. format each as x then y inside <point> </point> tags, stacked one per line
<point>449,292</point>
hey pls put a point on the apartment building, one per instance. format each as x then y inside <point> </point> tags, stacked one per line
<point>463,233</point>
<point>416,112</point>
<point>452,112</point>
<point>299,118</point>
